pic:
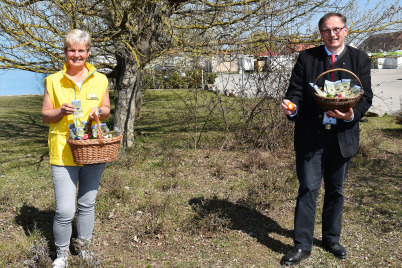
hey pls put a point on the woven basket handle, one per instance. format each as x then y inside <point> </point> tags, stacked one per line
<point>338,69</point>
<point>100,136</point>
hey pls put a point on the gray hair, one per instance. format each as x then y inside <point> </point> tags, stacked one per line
<point>328,15</point>
<point>77,36</point>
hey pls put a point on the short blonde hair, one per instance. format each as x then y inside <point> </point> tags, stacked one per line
<point>77,36</point>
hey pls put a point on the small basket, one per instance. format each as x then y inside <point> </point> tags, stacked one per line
<point>94,151</point>
<point>340,104</point>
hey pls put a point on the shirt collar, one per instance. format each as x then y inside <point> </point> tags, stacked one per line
<point>330,53</point>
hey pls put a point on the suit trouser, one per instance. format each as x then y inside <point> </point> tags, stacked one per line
<point>328,163</point>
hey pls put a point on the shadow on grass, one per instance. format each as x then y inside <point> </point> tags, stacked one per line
<point>245,219</point>
<point>24,124</point>
<point>393,133</point>
<point>32,219</point>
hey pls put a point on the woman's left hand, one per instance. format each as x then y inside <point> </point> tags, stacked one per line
<point>105,106</point>
<point>94,110</point>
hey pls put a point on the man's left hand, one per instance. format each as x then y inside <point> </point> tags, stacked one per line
<point>347,116</point>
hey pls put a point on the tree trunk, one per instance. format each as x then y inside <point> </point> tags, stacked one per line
<point>128,96</point>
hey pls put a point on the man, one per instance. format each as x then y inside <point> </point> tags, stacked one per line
<point>324,142</point>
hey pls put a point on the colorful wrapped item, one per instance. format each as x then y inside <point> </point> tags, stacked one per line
<point>338,95</point>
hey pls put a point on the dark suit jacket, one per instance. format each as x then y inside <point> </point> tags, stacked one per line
<point>308,121</point>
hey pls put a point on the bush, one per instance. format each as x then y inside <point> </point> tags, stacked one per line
<point>176,79</point>
<point>399,117</point>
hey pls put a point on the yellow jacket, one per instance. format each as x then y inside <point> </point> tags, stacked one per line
<point>61,90</point>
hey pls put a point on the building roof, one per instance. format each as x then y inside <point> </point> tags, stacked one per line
<point>383,42</point>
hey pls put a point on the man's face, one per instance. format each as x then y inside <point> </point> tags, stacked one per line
<point>332,40</point>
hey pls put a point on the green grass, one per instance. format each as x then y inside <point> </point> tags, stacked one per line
<point>225,204</point>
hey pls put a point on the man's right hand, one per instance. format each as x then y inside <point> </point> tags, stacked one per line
<point>285,109</point>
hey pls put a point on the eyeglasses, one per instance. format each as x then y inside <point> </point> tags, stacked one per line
<point>336,30</point>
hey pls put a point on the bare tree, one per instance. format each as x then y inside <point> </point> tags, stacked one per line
<point>128,35</point>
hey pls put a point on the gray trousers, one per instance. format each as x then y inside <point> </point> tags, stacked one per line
<point>65,182</point>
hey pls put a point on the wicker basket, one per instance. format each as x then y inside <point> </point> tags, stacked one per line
<point>94,151</point>
<point>340,104</point>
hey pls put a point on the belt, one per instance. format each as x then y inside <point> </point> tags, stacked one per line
<point>328,127</point>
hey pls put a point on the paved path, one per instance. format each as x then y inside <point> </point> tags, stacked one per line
<point>387,89</point>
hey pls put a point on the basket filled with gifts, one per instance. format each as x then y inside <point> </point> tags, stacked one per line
<point>93,144</point>
<point>338,95</point>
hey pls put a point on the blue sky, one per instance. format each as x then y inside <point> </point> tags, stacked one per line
<point>362,9</point>
<point>17,82</point>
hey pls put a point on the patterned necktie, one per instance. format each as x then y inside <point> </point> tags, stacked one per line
<point>333,57</point>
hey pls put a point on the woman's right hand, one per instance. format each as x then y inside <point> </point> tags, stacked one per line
<point>50,114</point>
<point>67,109</point>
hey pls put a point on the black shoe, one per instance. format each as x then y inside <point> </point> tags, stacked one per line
<point>335,248</point>
<point>295,256</point>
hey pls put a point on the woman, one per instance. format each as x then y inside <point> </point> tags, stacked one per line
<point>78,80</point>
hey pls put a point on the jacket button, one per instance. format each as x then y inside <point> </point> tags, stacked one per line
<point>320,116</point>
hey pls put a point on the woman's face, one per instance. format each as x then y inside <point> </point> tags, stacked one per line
<point>76,54</point>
